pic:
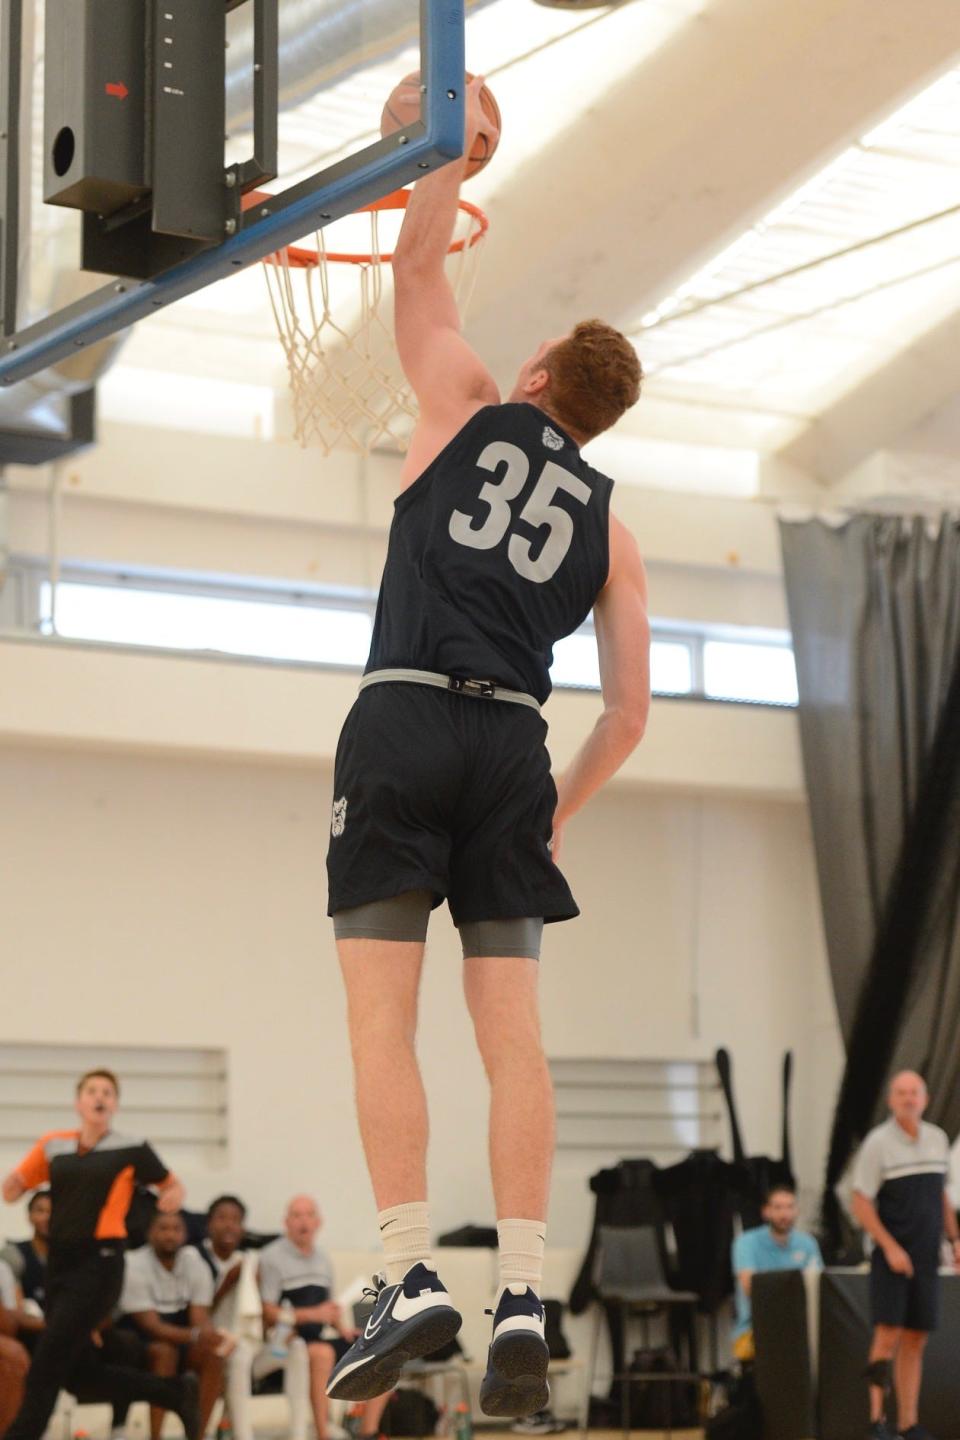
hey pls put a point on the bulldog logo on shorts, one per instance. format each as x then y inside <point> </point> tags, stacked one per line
<point>551,439</point>
<point>339,817</point>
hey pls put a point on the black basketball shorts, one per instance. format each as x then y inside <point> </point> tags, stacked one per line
<point>908,1301</point>
<point>445,792</point>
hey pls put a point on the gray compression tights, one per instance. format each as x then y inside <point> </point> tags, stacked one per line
<point>405,917</point>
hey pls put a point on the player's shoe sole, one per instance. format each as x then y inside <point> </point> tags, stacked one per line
<point>379,1370</point>
<point>515,1384</point>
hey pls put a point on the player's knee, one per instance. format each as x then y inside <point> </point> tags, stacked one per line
<point>914,1339</point>
<point>506,1037</point>
<point>213,1364</point>
<point>383,1019</point>
<point>14,1360</point>
<point>162,1357</point>
<point>879,1373</point>
<point>885,1341</point>
<point>322,1357</point>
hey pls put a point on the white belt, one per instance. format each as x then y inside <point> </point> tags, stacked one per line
<point>482,689</point>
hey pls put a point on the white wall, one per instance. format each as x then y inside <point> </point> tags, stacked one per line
<point>169,900</point>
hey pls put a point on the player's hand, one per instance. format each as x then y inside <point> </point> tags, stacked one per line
<point>328,1313</point>
<point>209,1340</point>
<point>955,1246</point>
<point>898,1259</point>
<point>227,1344</point>
<point>170,1199</point>
<point>349,1332</point>
<point>556,843</point>
<point>477,121</point>
<point>97,1339</point>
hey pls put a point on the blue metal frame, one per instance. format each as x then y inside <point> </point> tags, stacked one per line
<point>281,220</point>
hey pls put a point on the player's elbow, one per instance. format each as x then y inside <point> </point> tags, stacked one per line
<point>629,722</point>
<point>860,1206</point>
<point>409,268</point>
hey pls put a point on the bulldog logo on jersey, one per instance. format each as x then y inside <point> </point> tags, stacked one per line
<point>339,818</point>
<point>551,439</point>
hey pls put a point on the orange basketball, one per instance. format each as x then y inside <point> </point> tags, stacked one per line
<point>403,108</point>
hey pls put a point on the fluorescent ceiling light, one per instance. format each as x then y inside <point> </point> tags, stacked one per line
<point>853,265</point>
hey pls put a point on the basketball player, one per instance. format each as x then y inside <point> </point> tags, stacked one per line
<point>91,1172</point>
<point>501,544</point>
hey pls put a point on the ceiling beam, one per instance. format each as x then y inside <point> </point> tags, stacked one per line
<point>914,383</point>
<point>676,159</point>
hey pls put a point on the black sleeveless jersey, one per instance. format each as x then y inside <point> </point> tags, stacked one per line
<point>496,552</point>
<point>33,1275</point>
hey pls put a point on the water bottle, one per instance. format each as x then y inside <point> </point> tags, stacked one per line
<point>282,1330</point>
<point>463,1425</point>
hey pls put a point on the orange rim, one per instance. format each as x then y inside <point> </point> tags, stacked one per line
<point>299,257</point>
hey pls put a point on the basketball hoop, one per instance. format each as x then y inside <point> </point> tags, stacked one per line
<point>328,305</point>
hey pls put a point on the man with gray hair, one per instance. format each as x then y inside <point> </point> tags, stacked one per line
<point>295,1270</point>
<point>900,1198</point>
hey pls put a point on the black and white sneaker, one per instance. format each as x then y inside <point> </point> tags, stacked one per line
<point>516,1380</point>
<point>409,1320</point>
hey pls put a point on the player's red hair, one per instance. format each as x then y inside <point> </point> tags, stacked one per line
<point>595,376</point>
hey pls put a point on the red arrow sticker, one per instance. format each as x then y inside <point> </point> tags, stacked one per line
<point>118,89</point>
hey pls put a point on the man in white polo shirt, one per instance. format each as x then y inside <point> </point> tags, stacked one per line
<point>166,1299</point>
<point>900,1198</point>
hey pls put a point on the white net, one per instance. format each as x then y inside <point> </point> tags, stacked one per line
<point>334,319</point>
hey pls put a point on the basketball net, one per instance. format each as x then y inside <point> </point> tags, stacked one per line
<point>331,312</point>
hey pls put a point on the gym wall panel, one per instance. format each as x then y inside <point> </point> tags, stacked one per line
<point>161,899</point>
<point>110,698</point>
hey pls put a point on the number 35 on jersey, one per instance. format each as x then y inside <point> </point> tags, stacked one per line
<point>534,559</point>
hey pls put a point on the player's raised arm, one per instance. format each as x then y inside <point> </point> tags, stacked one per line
<point>448,378</point>
<point>623,641</point>
<point>13,1188</point>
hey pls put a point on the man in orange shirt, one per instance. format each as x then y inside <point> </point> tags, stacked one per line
<point>92,1173</point>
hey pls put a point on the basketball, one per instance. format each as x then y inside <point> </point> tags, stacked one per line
<point>403,108</point>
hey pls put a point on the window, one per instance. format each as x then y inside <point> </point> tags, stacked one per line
<point>671,667</point>
<point>749,671</point>
<point>313,625</point>
<point>271,630</point>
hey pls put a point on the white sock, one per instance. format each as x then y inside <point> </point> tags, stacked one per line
<point>521,1253</point>
<point>405,1231</point>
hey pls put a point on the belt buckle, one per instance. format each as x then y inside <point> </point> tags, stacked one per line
<point>463,686</point>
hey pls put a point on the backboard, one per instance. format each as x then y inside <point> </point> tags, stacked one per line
<point>121,186</point>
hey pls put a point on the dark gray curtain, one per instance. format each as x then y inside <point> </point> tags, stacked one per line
<point>875,610</point>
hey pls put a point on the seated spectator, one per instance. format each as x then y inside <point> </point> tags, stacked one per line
<point>222,1253</point>
<point>236,1307</point>
<point>777,1245</point>
<point>28,1261</point>
<point>167,1297</point>
<point>28,1258</point>
<point>14,1360</point>
<point>294,1269</point>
